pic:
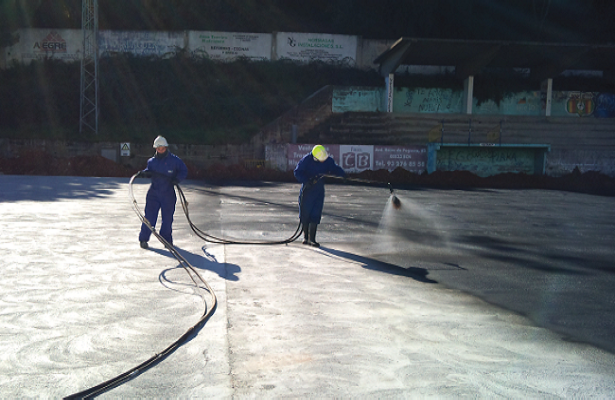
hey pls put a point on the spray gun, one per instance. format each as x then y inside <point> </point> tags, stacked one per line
<point>394,199</point>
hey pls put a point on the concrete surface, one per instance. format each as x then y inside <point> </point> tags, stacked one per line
<point>484,294</point>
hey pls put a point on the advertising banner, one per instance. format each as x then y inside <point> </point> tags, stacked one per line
<point>410,158</point>
<point>308,47</point>
<point>140,43</point>
<point>227,46</point>
<point>358,158</point>
<point>38,44</point>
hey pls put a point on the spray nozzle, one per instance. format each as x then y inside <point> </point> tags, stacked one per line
<point>394,200</point>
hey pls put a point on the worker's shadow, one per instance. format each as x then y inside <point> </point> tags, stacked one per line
<point>205,262</point>
<point>418,274</point>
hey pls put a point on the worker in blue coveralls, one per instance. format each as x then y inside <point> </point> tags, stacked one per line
<point>166,170</point>
<point>309,172</point>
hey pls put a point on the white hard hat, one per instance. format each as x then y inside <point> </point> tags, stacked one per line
<point>160,141</point>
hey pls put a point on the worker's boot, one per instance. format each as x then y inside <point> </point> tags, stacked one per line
<point>306,239</point>
<point>312,241</point>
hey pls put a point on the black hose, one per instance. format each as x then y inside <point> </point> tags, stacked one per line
<point>213,239</point>
<point>136,371</point>
<point>139,369</point>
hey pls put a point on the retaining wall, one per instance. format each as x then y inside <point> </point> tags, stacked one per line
<point>201,156</point>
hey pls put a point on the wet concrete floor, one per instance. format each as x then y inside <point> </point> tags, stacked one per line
<point>483,293</point>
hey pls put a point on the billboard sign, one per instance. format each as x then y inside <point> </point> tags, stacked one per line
<point>308,47</point>
<point>227,46</point>
<point>140,43</point>
<point>39,44</point>
<point>359,158</point>
<point>410,158</point>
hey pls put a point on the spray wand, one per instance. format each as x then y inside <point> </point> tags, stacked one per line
<point>394,199</point>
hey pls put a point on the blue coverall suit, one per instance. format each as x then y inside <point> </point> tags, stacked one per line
<point>161,194</point>
<point>312,194</point>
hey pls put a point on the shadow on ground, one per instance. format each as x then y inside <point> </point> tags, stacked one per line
<point>418,274</point>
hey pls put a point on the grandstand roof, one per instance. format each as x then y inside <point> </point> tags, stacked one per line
<point>470,57</point>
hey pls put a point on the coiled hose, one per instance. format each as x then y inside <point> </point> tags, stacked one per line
<point>196,278</point>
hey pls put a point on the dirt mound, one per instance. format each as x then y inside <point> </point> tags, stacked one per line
<point>42,163</point>
<point>34,162</point>
<point>589,182</point>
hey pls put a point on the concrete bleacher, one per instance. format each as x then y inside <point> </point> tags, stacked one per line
<point>405,129</point>
<point>586,143</point>
<point>304,117</point>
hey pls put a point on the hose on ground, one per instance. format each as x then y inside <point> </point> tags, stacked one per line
<point>198,281</point>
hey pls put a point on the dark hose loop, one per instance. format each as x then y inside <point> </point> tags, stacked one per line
<point>154,360</point>
<point>213,239</point>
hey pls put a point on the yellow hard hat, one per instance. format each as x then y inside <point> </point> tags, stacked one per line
<point>320,153</point>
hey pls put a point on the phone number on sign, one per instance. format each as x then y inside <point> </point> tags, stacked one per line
<point>409,164</point>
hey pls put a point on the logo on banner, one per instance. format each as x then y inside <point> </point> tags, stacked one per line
<point>580,103</point>
<point>359,161</point>
<point>52,42</point>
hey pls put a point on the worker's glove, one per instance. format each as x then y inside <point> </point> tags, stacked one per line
<point>314,180</point>
<point>144,174</point>
<point>174,181</point>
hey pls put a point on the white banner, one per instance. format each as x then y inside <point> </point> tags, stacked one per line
<point>308,47</point>
<point>357,158</point>
<point>140,43</point>
<point>227,46</point>
<point>38,44</point>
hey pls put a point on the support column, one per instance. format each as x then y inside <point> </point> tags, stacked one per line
<point>390,84</point>
<point>549,97</point>
<point>468,91</point>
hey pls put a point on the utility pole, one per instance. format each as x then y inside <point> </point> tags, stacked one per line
<point>88,116</point>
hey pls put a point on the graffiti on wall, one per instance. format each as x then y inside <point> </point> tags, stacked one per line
<point>522,103</point>
<point>605,105</point>
<point>486,161</point>
<point>583,104</point>
<point>434,101</point>
<point>580,103</point>
<point>424,100</point>
<point>355,98</point>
